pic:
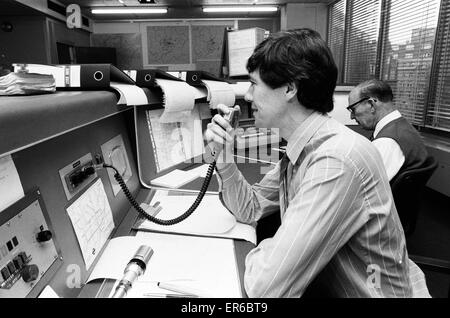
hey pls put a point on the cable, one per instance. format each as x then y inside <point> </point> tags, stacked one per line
<point>176,220</point>
<point>232,117</point>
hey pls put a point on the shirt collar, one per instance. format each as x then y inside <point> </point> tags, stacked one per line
<point>303,134</point>
<point>386,120</point>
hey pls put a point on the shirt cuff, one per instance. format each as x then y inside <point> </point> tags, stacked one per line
<point>226,175</point>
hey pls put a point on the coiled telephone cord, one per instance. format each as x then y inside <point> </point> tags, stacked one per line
<point>153,219</point>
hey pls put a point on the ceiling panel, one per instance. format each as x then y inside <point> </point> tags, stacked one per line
<point>179,9</point>
<point>183,3</point>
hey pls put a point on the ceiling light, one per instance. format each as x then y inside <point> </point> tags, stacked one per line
<point>241,9</point>
<point>128,10</point>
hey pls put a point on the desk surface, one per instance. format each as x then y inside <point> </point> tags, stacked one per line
<point>102,288</point>
<point>250,170</point>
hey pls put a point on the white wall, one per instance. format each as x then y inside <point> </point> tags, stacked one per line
<point>340,112</point>
<point>305,15</point>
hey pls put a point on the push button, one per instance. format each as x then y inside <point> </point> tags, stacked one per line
<point>18,263</point>
<point>23,257</point>
<point>44,236</point>
<point>5,273</point>
<point>11,267</point>
<point>30,273</point>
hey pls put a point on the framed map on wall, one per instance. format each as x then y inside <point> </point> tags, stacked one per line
<point>207,46</point>
<point>168,44</point>
<point>184,46</point>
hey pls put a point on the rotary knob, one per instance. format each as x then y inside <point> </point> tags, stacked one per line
<point>30,273</point>
<point>44,236</point>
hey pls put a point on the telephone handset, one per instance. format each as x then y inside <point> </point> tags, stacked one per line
<point>233,119</point>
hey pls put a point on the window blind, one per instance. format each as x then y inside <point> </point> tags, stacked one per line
<point>438,110</point>
<point>336,28</point>
<point>409,33</point>
<point>363,19</point>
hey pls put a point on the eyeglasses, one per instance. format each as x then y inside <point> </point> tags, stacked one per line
<point>350,107</point>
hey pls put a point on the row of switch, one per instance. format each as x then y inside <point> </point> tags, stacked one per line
<point>16,264</point>
<point>8,247</point>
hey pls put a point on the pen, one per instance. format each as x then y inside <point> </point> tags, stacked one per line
<point>181,289</point>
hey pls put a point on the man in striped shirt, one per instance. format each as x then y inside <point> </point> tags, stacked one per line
<point>339,226</point>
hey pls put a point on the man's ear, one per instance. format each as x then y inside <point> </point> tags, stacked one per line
<point>291,90</point>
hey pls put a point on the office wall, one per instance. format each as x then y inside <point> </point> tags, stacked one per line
<point>340,112</point>
<point>58,32</point>
<point>272,25</point>
<point>305,15</point>
<point>26,42</point>
<point>172,45</point>
<point>33,39</point>
<point>128,48</point>
<point>168,45</point>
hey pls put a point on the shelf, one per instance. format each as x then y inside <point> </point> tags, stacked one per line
<point>28,120</point>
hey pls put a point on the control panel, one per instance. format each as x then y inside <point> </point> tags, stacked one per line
<point>28,252</point>
<point>73,176</point>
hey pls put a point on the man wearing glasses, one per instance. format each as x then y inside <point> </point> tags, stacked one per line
<point>398,142</point>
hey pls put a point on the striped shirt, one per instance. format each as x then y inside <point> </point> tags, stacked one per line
<point>340,225</point>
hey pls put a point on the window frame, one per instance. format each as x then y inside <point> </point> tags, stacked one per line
<point>381,47</point>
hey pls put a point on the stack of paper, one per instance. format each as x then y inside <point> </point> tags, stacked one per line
<point>26,84</point>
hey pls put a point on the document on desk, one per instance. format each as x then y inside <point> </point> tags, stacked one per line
<point>177,178</point>
<point>200,171</point>
<point>10,186</point>
<point>92,221</point>
<point>206,265</point>
<point>210,217</point>
<point>174,179</point>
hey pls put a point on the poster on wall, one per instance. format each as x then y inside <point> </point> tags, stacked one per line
<point>168,44</point>
<point>207,46</point>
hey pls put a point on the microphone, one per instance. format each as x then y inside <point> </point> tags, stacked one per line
<point>135,268</point>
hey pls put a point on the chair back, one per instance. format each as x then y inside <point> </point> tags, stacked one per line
<point>407,188</point>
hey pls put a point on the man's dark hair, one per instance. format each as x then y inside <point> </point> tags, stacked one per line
<point>302,57</point>
<point>377,89</point>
